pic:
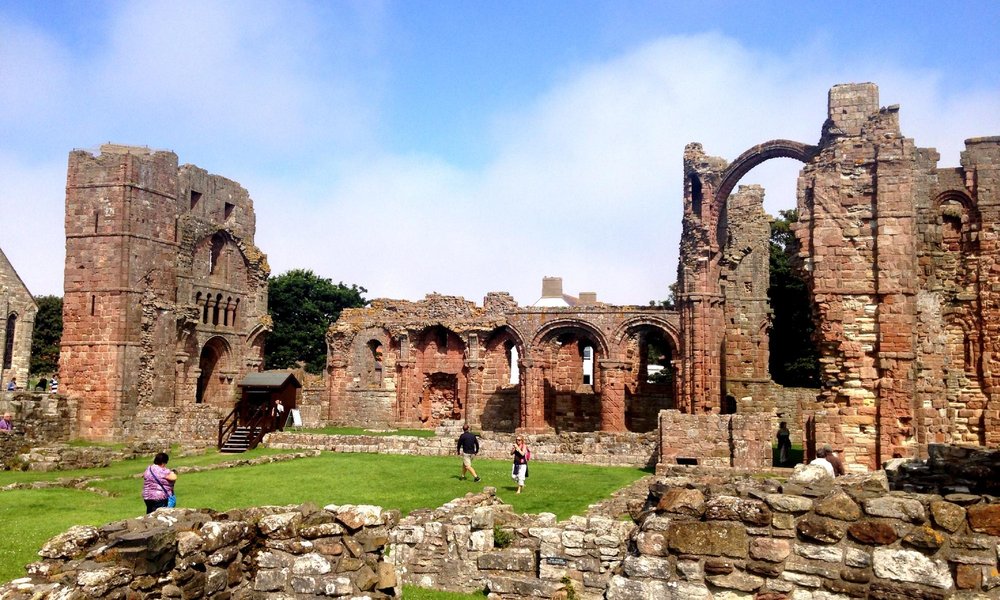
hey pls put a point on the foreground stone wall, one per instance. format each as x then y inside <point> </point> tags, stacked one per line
<point>265,552</point>
<point>810,538</point>
<point>455,548</point>
<point>598,448</point>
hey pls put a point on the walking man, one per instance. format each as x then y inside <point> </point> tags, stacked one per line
<point>467,447</point>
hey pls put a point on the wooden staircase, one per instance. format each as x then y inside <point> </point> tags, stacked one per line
<point>242,438</point>
<point>235,438</point>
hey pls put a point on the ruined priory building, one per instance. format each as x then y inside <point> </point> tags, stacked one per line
<point>502,367</point>
<point>17,320</point>
<point>902,264</point>
<point>165,302</point>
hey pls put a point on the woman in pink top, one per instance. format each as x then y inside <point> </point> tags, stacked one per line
<point>158,483</point>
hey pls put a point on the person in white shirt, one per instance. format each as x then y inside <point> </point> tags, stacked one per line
<point>823,462</point>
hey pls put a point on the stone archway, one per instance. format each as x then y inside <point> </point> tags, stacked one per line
<point>213,362</point>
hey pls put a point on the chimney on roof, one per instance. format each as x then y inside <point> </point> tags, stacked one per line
<point>588,298</point>
<point>552,287</point>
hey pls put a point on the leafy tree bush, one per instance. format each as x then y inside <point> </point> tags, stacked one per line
<point>794,357</point>
<point>46,335</point>
<point>302,306</point>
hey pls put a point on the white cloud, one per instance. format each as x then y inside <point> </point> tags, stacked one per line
<point>585,182</point>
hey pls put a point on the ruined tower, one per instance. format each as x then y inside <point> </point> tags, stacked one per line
<point>165,300</point>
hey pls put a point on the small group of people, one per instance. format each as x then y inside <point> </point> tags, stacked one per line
<point>468,446</point>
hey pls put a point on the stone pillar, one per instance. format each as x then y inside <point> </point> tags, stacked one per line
<point>474,392</point>
<point>612,395</point>
<point>336,382</point>
<point>404,383</point>
<point>532,397</point>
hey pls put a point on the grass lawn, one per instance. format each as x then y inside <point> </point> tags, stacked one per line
<point>403,482</point>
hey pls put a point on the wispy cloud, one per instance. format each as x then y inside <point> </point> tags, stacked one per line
<point>584,179</point>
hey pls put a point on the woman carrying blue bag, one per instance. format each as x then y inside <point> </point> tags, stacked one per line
<point>158,484</point>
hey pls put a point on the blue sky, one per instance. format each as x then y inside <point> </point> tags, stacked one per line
<point>464,147</point>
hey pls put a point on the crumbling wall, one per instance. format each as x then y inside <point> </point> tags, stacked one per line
<point>742,441</point>
<point>478,542</point>
<point>287,551</point>
<point>165,293</point>
<point>444,358</point>
<point>809,538</point>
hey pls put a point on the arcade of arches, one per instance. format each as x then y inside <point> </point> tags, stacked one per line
<point>502,367</point>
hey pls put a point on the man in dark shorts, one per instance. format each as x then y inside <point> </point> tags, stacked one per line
<point>467,447</point>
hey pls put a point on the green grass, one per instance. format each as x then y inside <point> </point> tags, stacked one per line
<point>411,592</point>
<point>426,433</point>
<point>401,482</point>
<point>127,468</point>
<point>794,455</point>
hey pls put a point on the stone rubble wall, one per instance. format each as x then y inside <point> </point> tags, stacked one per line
<point>714,440</point>
<point>265,552</point>
<point>613,449</point>
<point>38,419</point>
<point>948,470</point>
<point>809,539</point>
<point>457,548</point>
<point>194,424</point>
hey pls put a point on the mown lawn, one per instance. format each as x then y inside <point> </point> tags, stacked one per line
<point>404,482</point>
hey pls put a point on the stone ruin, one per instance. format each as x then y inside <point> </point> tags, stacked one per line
<point>17,320</point>
<point>165,309</point>
<point>165,304</point>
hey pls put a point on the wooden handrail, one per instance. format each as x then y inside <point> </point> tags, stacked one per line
<point>226,428</point>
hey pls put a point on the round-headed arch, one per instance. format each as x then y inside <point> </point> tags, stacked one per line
<point>560,325</point>
<point>758,154</point>
<point>669,329</point>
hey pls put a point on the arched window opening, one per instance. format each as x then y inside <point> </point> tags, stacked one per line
<point>218,243</point>
<point>225,315</point>
<point>655,358</point>
<point>512,360</point>
<point>729,405</point>
<point>374,361</point>
<point>951,233</point>
<point>696,196</point>
<point>442,339</point>
<point>236,305</point>
<point>8,344</point>
<point>587,353</point>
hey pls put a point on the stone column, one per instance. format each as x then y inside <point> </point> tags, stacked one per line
<point>612,394</point>
<point>336,381</point>
<point>532,397</point>
<point>404,383</point>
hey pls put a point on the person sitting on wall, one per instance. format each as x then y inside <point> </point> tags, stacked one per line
<point>821,460</point>
<point>6,423</point>
<point>41,385</point>
<point>54,385</point>
<point>834,459</point>
<point>12,384</point>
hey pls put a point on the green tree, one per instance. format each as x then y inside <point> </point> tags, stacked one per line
<point>794,357</point>
<point>46,335</point>
<point>302,306</point>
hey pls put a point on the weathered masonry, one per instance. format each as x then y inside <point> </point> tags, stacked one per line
<point>901,259</point>
<point>17,320</point>
<point>165,301</point>
<point>502,367</point>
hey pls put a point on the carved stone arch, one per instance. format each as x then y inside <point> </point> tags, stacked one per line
<point>757,155</point>
<point>553,327</point>
<point>665,325</point>
<point>215,365</point>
